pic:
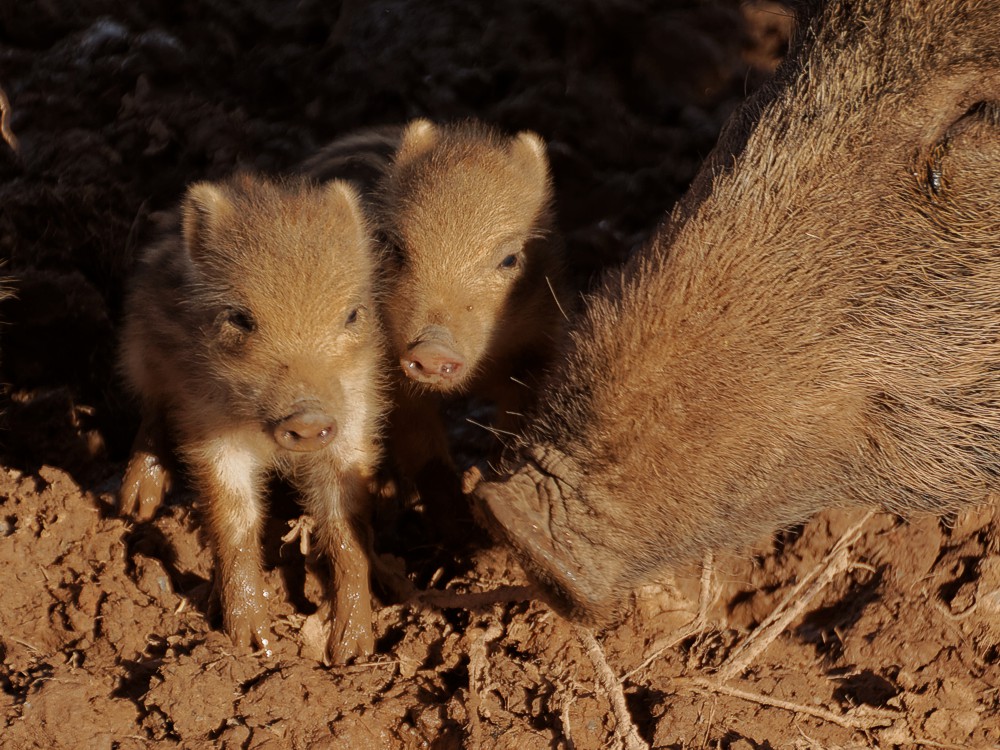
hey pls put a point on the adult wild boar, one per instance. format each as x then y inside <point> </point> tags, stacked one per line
<point>817,324</point>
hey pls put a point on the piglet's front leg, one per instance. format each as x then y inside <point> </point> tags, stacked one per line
<point>146,479</point>
<point>350,607</point>
<point>229,482</point>
<point>340,506</point>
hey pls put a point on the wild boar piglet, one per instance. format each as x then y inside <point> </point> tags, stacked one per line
<point>251,340</point>
<point>473,273</point>
<point>474,285</point>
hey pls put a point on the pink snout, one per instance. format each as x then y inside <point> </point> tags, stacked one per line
<point>305,431</point>
<point>432,362</point>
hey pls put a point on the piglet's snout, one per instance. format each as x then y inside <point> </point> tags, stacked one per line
<point>432,361</point>
<point>307,429</point>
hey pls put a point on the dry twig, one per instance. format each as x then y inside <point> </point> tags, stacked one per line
<point>479,678</point>
<point>625,730</point>
<point>861,718</point>
<point>5,132</point>
<point>836,561</point>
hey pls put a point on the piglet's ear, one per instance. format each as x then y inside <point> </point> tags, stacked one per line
<point>204,206</point>
<point>419,137</point>
<point>343,208</point>
<point>531,163</point>
<point>528,153</point>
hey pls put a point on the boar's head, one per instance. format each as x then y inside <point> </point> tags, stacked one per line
<point>282,284</point>
<point>818,323</point>
<point>467,212</point>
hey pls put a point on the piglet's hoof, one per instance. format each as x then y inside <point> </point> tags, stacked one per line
<point>246,623</point>
<point>350,639</point>
<point>144,485</point>
<point>471,479</point>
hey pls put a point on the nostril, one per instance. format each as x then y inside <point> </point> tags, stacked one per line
<point>432,362</point>
<point>294,436</point>
<point>305,431</point>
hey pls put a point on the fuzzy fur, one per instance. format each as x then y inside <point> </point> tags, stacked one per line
<point>817,324</point>
<point>451,202</point>
<point>260,307</point>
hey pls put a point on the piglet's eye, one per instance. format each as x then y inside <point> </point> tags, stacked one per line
<point>509,261</point>
<point>241,319</point>
<point>352,316</point>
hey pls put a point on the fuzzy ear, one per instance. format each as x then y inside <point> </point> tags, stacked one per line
<point>946,99</point>
<point>528,153</point>
<point>344,206</point>
<point>203,206</point>
<point>419,137</point>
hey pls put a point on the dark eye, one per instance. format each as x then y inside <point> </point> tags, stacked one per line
<point>509,262</point>
<point>241,319</point>
<point>352,316</point>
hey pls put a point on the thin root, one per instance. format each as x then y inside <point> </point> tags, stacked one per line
<point>479,679</point>
<point>946,611</point>
<point>301,528</point>
<point>694,627</point>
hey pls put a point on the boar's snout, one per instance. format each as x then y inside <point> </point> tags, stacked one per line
<point>433,362</point>
<point>306,430</point>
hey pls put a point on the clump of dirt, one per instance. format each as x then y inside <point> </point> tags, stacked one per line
<point>109,624</point>
<point>107,634</point>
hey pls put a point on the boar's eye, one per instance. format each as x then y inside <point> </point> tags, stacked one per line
<point>241,319</point>
<point>511,254</point>
<point>509,261</point>
<point>352,316</point>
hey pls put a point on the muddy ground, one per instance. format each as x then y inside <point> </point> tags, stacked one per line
<point>106,638</point>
